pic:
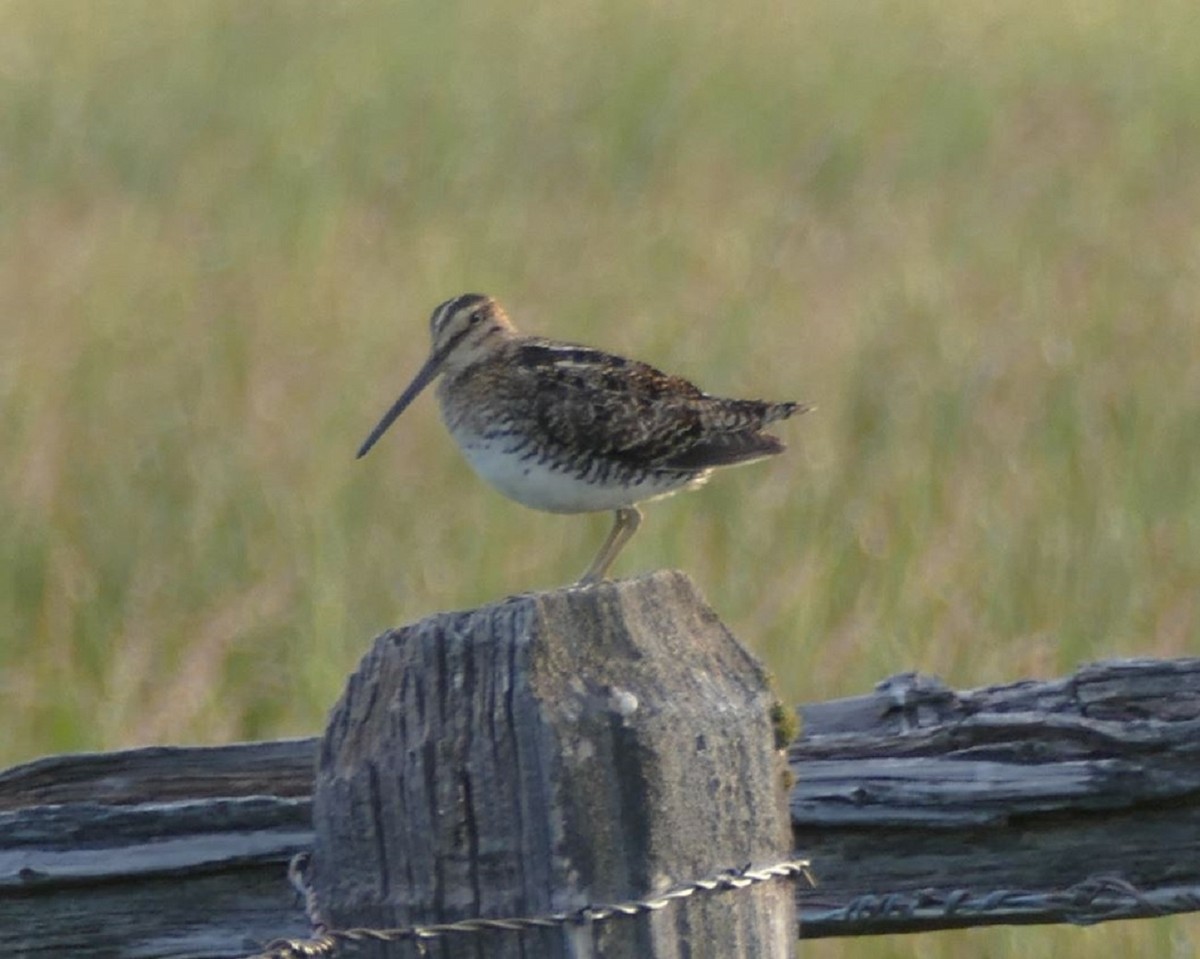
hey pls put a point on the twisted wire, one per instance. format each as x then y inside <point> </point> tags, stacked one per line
<point>325,941</point>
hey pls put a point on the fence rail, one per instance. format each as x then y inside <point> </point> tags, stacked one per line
<point>1073,800</point>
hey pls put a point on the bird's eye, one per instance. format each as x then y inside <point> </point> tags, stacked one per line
<point>476,317</point>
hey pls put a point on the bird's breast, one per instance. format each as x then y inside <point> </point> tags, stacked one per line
<point>543,454</point>
<point>557,482</point>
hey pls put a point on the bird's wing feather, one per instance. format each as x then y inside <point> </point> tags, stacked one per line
<point>625,410</point>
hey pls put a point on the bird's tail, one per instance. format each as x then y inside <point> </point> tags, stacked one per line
<point>774,412</point>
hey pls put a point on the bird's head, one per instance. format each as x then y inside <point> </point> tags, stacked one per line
<point>462,331</point>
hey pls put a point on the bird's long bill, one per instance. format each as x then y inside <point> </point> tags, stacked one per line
<point>427,372</point>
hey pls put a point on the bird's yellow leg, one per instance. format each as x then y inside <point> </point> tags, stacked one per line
<point>628,519</point>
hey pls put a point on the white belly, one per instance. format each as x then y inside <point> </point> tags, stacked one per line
<point>537,486</point>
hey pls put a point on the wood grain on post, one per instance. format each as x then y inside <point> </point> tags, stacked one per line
<point>554,751</point>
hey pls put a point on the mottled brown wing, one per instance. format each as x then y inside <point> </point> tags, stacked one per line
<point>632,413</point>
<point>726,449</point>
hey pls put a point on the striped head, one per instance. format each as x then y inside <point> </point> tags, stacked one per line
<point>467,329</point>
<point>463,331</point>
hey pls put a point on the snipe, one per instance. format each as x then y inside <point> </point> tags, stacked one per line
<point>569,429</point>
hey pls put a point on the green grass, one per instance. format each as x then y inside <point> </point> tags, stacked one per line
<point>968,233</point>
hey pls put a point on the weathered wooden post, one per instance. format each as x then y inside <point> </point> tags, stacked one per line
<point>551,752</point>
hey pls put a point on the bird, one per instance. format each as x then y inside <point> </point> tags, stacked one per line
<point>566,428</point>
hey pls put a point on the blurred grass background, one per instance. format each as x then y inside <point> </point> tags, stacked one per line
<point>969,232</point>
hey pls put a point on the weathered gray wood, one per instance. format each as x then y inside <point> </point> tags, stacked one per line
<point>283,767</point>
<point>588,745</point>
<point>200,877</point>
<point>1073,800</point>
<point>165,851</point>
<point>888,803</point>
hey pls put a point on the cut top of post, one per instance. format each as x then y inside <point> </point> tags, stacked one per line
<point>552,751</point>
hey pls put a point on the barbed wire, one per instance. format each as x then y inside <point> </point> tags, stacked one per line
<point>325,941</point>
